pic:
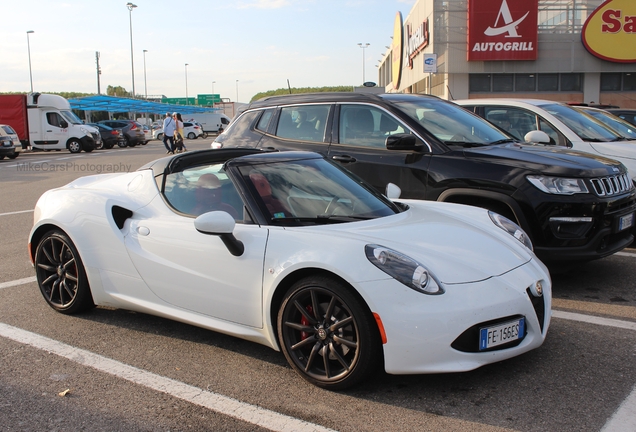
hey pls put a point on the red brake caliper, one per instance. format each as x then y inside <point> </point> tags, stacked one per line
<point>305,322</point>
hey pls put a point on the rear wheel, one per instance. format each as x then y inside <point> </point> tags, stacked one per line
<point>192,135</point>
<point>122,143</point>
<point>13,156</point>
<point>60,274</point>
<point>327,334</point>
<point>74,146</point>
<point>108,146</point>
<point>160,137</point>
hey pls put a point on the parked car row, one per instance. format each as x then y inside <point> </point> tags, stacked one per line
<point>574,206</point>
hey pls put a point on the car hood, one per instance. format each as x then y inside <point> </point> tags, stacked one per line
<point>618,149</point>
<point>546,159</point>
<point>458,243</point>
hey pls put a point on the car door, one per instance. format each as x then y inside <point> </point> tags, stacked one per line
<point>54,132</point>
<point>360,132</point>
<point>195,271</point>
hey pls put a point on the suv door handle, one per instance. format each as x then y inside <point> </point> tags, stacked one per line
<point>344,158</point>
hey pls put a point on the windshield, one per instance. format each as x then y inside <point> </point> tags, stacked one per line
<point>624,128</point>
<point>313,191</point>
<point>586,127</point>
<point>450,123</point>
<point>71,117</point>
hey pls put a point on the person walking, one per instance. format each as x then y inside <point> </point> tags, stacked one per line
<point>169,126</point>
<point>179,123</point>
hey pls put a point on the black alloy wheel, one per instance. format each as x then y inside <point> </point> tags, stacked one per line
<point>327,334</point>
<point>60,274</point>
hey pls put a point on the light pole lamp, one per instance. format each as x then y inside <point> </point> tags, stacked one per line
<point>186,76</point>
<point>29,50</point>
<point>130,7</point>
<point>145,81</point>
<point>364,47</point>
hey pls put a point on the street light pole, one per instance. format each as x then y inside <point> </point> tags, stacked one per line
<point>364,47</point>
<point>186,76</point>
<point>130,7</point>
<point>29,50</point>
<point>145,82</point>
<point>213,82</point>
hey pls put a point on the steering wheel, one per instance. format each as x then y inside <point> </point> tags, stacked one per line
<point>331,204</point>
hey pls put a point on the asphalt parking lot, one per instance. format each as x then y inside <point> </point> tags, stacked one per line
<point>117,370</point>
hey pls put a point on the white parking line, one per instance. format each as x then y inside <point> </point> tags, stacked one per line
<point>225,405</point>
<point>591,319</point>
<point>629,254</point>
<point>624,419</point>
<point>16,212</point>
<point>17,282</point>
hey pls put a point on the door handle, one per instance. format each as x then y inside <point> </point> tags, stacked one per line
<point>343,158</point>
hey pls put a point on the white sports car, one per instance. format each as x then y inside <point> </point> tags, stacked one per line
<point>291,251</point>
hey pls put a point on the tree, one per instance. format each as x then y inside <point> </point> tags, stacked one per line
<point>295,90</point>
<point>117,91</point>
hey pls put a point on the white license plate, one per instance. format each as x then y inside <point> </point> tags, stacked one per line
<point>500,334</point>
<point>625,222</point>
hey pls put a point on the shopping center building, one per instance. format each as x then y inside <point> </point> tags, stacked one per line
<point>564,50</point>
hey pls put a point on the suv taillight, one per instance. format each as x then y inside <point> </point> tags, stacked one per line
<point>134,126</point>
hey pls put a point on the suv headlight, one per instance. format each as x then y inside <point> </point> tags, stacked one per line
<point>511,228</point>
<point>558,185</point>
<point>404,269</point>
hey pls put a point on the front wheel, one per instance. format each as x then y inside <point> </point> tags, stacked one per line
<point>327,334</point>
<point>160,137</point>
<point>60,274</point>
<point>74,146</point>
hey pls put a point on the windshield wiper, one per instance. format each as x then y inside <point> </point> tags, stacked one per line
<point>465,143</point>
<point>321,219</point>
<point>503,141</point>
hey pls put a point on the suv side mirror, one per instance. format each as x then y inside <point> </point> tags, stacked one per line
<point>402,142</point>
<point>537,136</point>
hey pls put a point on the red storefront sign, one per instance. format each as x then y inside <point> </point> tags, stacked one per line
<point>502,29</point>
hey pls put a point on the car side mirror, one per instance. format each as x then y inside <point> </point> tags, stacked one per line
<point>537,136</point>
<point>63,124</point>
<point>221,224</point>
<point>393,191</point>
<point>402,142</point>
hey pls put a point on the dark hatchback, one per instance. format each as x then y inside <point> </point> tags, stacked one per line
<point>574,206</point>
<point>7,148</point>
<point>133,131</point>
<point>110,137</point>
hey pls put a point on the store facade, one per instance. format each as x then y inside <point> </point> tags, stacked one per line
<point>564,50</point>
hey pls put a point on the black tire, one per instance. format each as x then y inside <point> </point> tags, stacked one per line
<point>74,146</point>
<point>122,144</point>
<point>204,135</point>
<point>60,274</point>
<point>144,143</point>
<point>100,146</point>
<point>349,332</point>
<point>88,150</point>
<point>14,155</point>
<point>108,146</point>
<point>160,137</point>
<point>1,157</point>
<point>192,135</point>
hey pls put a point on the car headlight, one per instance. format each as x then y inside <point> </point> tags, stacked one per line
<point>404,269</point>
<point>86,132</point>
<point>511,228</point>
<point>558,185</point>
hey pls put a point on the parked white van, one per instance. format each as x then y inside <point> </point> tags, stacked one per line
<point>211,122</point>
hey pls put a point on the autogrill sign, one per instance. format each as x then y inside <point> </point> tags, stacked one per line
<point>502,29</point>
<point>415,42</point>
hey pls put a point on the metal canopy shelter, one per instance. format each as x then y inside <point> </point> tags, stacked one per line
<point>118,104</point>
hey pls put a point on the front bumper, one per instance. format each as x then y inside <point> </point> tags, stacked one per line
<point>420,329</point>
<point>88,143</point>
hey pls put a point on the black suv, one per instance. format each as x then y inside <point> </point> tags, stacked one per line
<point>133,131</point>
<point>574,206</point>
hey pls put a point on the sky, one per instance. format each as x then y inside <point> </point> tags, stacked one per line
<point>232,47</point>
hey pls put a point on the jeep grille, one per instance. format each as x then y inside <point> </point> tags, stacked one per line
<point>612,185</point>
